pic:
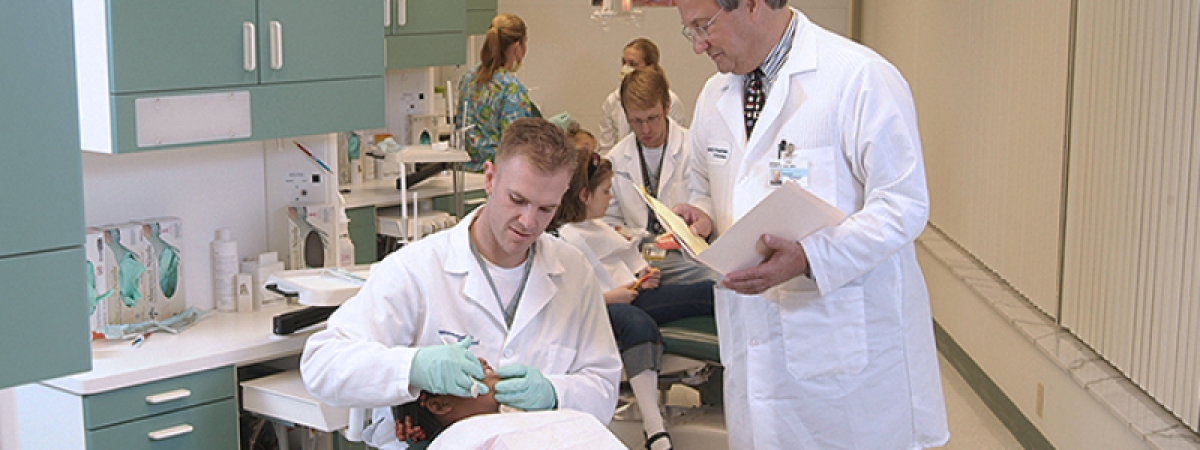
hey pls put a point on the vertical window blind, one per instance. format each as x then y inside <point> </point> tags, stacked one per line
<point>1131,250</point>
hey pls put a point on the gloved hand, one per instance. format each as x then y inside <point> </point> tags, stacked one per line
<point>525,387</point>
<point>447,369</point>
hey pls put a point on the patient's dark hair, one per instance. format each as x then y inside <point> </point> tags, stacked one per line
<point>420,417</point>
<point>593,169</point>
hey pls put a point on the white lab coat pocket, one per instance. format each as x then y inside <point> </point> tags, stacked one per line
<point>824,336</point>
<point>822,171</point>
<point>552,359</point>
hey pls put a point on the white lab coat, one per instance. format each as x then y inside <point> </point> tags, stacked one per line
<point>435,286</point>
<point>627,209</point>
<point>851,364</point>
<point>614,126</point>
<point>618,258</point>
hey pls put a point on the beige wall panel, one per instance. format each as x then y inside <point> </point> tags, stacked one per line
<point>990,83</point>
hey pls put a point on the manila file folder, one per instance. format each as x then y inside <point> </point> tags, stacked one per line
<point>790,212</point>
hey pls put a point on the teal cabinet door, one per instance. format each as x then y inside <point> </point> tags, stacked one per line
<point>159,45</point>
<point>205,427</point>
<point>479,16</point>
<point>41,180</point>
<point>42,268</point>
<point>303,40</point>
<point>229,56</point>
<point>428,16</point>
<point>45,322</point>
<point>425,50</point>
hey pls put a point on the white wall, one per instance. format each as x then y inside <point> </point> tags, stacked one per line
<point>208,187</point>
<point>573,64</point>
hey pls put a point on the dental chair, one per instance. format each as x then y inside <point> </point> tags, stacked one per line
<point>691,356</point>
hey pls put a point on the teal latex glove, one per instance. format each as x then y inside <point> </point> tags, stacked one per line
<point>525,387</point>
<point>353,147</point>
<point>128,270</point>
<point>93,299</point>
<point>448,369</point>
<point>168,262</point>
<point>168,271</point>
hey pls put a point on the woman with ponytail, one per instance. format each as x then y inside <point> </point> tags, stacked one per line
<point>491,95</point>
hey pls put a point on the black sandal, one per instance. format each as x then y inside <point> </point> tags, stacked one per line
<point>657,436</point>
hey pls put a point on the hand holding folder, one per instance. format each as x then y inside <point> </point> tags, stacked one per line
<point>790,212</point>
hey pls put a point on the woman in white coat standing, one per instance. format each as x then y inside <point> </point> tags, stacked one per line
<point>827,344</point>
<point>640,53</point>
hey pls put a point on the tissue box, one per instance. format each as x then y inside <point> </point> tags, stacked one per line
<point>163,256</point>
<point>98,287</point>
<point>259,268</point>
<point>124,251</point>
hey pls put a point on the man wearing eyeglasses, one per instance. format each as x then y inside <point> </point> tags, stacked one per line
<point>651,157</point>
<point>828,343</point>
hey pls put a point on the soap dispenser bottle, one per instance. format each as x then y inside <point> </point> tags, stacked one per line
<point>224,269</point>
<point>345,247</point>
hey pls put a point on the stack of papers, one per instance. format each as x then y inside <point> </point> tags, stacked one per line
<point>790,212</point>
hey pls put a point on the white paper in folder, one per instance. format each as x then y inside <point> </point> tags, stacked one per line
<point>790,212</point>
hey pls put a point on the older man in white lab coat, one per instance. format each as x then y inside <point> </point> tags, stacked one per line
<point>827,344</point>
<point>494,287</point>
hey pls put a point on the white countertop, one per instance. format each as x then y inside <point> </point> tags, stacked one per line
<point>384,192</point>
<point>219,339</point>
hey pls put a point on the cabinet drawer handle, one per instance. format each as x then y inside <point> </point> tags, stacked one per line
<point>276,45</point>
<point>402,12</point>
<point>167,433</point>
<point>249,50</point>
<point>387,13</point>
<point>169,396</point>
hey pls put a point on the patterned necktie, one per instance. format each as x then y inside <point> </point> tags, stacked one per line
<point>754,98</point>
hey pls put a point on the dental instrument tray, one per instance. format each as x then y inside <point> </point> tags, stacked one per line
<point>318,287</point>
<point>322,289</point>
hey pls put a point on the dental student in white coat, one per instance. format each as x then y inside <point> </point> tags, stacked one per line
<point>493,287</point>
<point>827,344</point>
<point>640,53</point>
<point>651,158</point>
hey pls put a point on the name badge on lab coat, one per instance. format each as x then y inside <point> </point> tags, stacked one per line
<point>718,155</point>
<point>787,170</point>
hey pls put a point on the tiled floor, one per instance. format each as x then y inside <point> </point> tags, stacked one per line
<point>972,424</point>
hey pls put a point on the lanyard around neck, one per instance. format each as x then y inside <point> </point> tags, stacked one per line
<point>652,224</point>
<point>652,188</point>
<point>510,312</point>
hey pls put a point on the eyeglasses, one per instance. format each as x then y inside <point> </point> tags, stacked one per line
<point>701,31</point>
<point>652,120</point>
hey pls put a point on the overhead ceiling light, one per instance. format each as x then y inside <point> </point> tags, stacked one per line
<point>616,10</point>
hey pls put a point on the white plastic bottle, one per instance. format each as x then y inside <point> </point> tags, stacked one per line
<point>224,268</point>
<point>345,247</point>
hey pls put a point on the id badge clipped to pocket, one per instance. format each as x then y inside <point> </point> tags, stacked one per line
<point>787,168</point>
